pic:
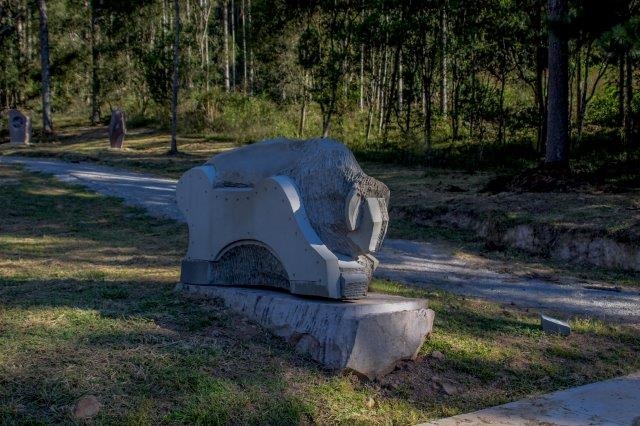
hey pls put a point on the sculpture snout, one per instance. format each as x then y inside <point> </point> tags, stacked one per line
<point>367,221</point>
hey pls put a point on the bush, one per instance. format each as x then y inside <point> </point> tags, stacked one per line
<point>603,108</point>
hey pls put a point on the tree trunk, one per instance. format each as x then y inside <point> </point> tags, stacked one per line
<point>501,119</point>
<point>557,152</point>
<point>361,100</point>
<point>400,81</point>
<point>175,86</point>
<point>443,49</point>
<point>225,42</point>
<point>621,91</point>
<point>372,95</point>
<point>393,87</point>
<point>427,79</point>
<point>47,124</point>
<point>303,110</point>
<point>326,122</point>
<point>23,59</point>
<point>207,56</point>
<point>244,48</point>
<point>250,48</point>
<point>327,111</point>
<point>586,94</point>
<point>628,119</point>
<point>233,46</point>
<point>454,110</point>
<point>578,80</point>
<point>94,39</point>
<point>369,123</point>
<point>383,83</point>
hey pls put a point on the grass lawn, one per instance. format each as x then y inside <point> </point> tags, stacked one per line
<point>87,307</point>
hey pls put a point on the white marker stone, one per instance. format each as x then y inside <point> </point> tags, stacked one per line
<point>553,325</point>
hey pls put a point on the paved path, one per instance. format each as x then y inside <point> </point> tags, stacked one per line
<point>423,264</point>
<point>611,402</point>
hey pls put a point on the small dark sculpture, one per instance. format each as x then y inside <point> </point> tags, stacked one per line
<point>117,128</point>
<point>19,128</point>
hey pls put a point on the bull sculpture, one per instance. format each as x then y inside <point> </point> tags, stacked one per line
<point>296,215</point>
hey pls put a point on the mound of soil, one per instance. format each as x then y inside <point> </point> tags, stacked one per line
<point>612,177</point>
<point>539,179</point>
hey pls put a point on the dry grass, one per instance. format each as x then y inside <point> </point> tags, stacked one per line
<point>87,307</point>
<point>145,150</point>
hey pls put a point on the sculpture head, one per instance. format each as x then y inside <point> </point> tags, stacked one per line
<point>346,207</point>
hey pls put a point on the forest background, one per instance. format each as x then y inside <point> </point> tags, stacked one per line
<point>434,82</point>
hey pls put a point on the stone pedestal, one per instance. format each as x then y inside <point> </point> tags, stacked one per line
<point>19,128</point>
<point>367,336</point>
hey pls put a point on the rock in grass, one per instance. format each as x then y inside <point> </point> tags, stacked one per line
<point>437,355</point>
<point>449,388</point>
<point>553,325</point>
<point>370,403</point>
<point>88,406</point>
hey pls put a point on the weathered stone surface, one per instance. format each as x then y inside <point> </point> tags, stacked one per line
<point>553,325</point>
<point>368,336</point>
<point>19,128</point>
<point>117,128</point>
<point>298,215</point>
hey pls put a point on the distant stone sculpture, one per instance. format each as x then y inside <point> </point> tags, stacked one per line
<point>296,215</point>
<point>19,128</point>
<point>117,128</point>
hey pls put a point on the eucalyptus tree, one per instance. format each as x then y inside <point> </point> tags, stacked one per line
<point>175,85</point>
<point>335,22</point>
<point>623,43</point>
<point>9,53</point>
<point>557,150</point>
<point>595,29</point>
<point>47,123</point>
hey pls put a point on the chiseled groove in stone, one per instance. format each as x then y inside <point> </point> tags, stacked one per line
<point>249,264</point>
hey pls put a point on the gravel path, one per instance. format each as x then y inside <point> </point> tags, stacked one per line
<point>422,264</point>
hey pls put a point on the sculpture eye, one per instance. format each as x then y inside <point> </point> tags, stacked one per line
<point>352,209</point>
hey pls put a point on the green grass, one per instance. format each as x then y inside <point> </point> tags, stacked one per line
<point>87,307</point>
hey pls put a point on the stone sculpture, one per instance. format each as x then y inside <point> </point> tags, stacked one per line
<point>296,215</point>
<point>117,128</point>
<point>19,128</point>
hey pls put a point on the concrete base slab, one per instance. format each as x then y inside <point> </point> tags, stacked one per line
<point>367,336</point>
<point>611,402</point>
